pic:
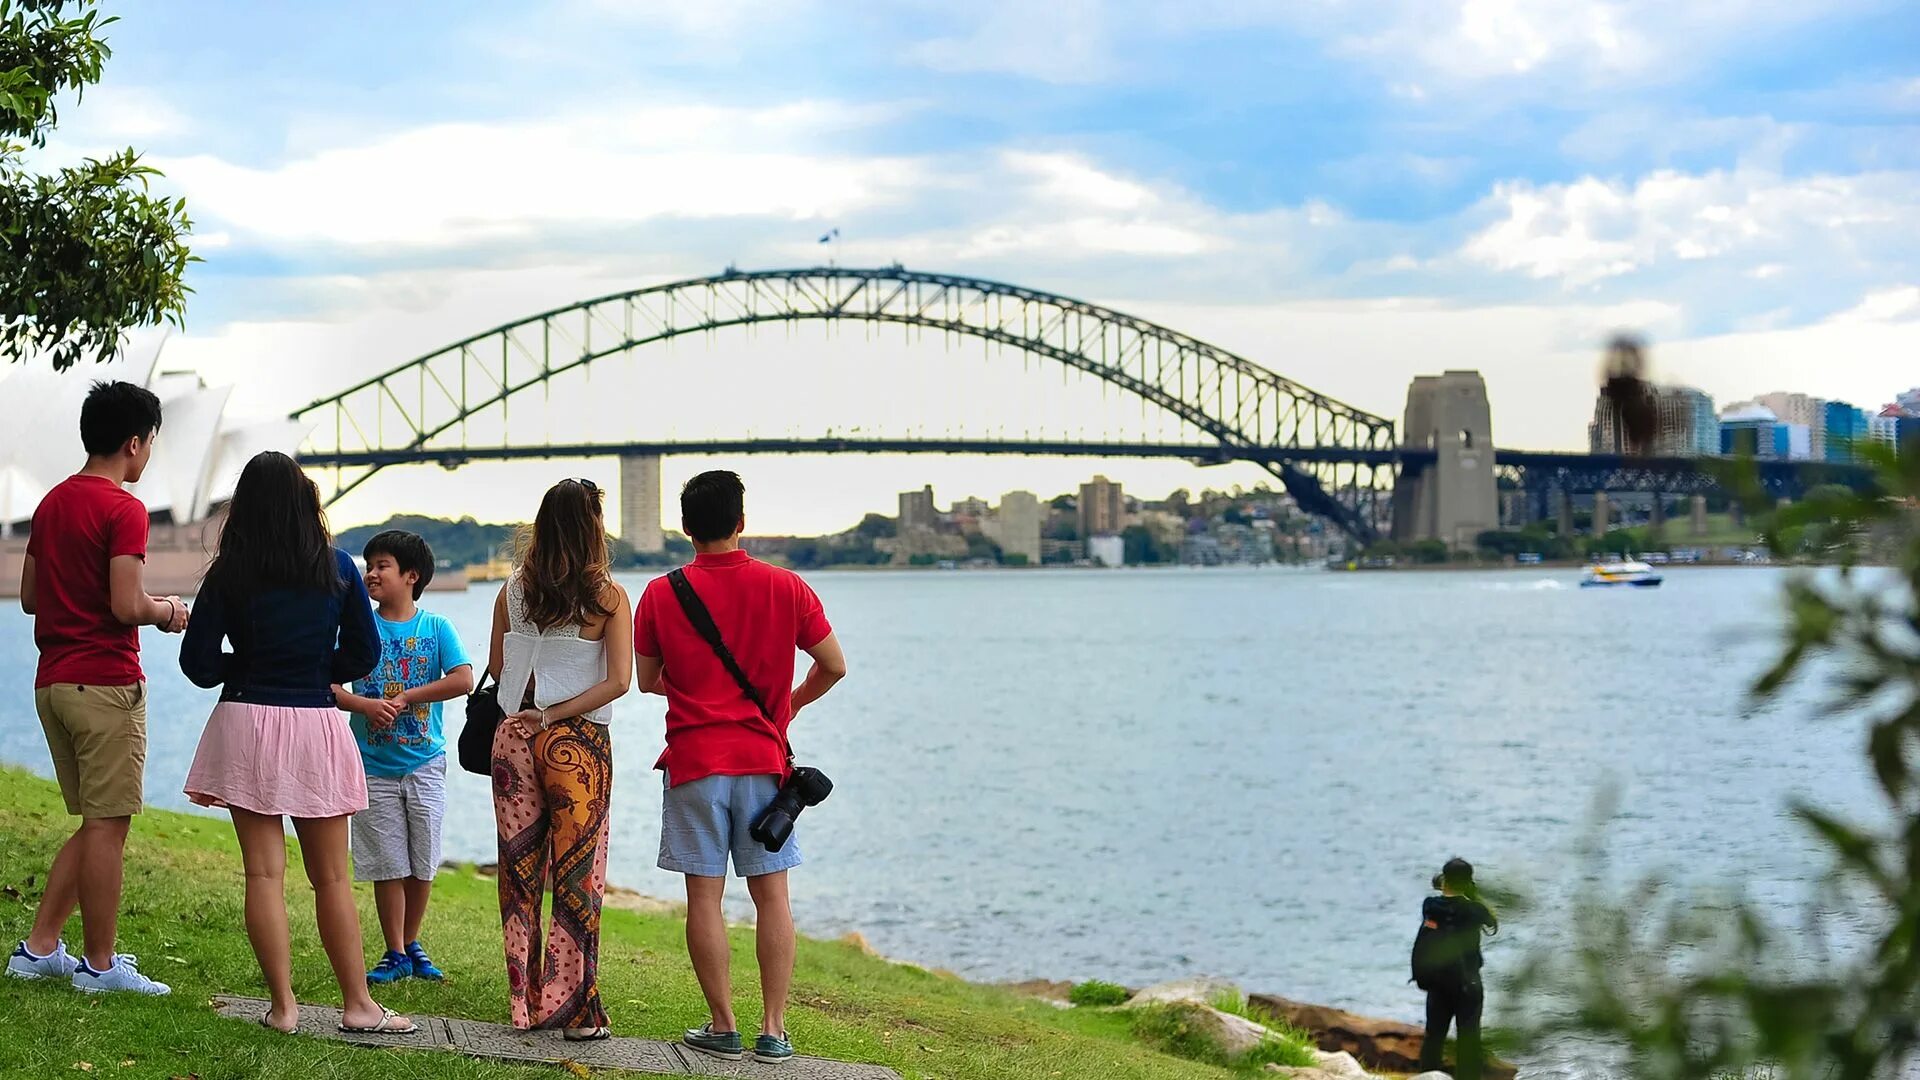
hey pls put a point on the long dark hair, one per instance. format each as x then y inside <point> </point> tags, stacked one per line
<point>564,564</point>
<point>275,535</point>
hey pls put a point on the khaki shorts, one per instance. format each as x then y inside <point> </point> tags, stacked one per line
<point>98,737</point>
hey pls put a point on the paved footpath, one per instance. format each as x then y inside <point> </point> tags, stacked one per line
<point>505,1043</point>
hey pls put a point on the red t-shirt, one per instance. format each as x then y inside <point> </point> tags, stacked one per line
<point>764,614</point>
<point>84,522</point>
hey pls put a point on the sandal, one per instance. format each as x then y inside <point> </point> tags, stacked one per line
<point>384,1027</point>
<point>265,1023</point>
<point>592,1034</point>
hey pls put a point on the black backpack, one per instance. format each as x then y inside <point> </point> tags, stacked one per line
<point>1439,954</point>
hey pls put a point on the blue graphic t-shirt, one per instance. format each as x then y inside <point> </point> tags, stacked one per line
<point>412,653</point>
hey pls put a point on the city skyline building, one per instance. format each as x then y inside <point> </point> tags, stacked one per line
<point>1686,424</point>
<point>1846,427</point>
<point>1015,526</point>
<point>1806,411</point>
<point>916,509</point>
<point>1101,508</point>
<point>1750,429</point>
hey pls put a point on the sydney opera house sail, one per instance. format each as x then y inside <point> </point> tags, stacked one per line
<point>196,461</point>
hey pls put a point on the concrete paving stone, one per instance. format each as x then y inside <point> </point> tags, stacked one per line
<point>478,1038</point>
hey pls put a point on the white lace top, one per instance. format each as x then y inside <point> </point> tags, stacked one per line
<point>558,662</point>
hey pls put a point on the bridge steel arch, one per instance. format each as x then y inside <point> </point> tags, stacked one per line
<point>419,409</point>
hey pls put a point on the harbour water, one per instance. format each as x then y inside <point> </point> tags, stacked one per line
<point>1137,775</point>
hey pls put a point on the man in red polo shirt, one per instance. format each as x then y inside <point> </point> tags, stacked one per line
<point>82,584</point>
<point>725,760</point>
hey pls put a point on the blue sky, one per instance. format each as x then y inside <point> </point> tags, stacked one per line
<point>1352,192</point>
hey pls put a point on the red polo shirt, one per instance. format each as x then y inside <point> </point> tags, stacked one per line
<point>765,615</point>
<point>82,525</point>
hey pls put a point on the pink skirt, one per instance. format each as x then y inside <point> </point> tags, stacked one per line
<point>272,759</point>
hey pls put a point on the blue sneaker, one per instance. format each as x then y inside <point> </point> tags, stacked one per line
<point>123,976</point>
<point>772,1050</point>
<point>422,967</point>
<point>391,969</point>
<point>58,964</point>
<point>724,1045</point>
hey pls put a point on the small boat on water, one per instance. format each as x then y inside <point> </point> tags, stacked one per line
<point>1636,575</point>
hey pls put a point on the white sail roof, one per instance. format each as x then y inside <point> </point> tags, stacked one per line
<point>196,460</point>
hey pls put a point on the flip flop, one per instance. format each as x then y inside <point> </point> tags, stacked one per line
<point>275,1030</point>
<point>387,1017</point>
<point>590,1034</point>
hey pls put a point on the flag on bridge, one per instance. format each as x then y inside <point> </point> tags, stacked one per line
<point>830,235</point>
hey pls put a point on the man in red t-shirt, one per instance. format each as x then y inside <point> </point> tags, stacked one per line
<point>725,760</point>
<point>83,586</point>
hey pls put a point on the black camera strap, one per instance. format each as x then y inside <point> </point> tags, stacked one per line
<point>703,624</point>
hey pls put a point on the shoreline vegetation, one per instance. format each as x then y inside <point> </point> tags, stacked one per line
<point>183,916</point>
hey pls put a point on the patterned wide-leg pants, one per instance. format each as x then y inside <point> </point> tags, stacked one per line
<point>550,805</point>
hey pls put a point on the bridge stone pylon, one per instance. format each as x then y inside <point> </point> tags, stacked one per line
<point>1453,499</point>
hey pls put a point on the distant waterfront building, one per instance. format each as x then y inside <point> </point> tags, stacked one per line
<point>1015,526</point>
<point>1885,429</point>
<point>1805,411</point>
<point>1686,425</point>
<point>1846,429</point>
<point>972,506</point>
<point>1909,401</point>
<point>916,509</point>
<point>1896,428</point>
<point>1107,550</point>
<point>1750,429</point>
<point>1102,508</point>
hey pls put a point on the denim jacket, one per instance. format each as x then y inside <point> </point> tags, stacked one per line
<point>289,645</point>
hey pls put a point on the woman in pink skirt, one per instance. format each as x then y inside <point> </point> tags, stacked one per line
<point>295,611</point>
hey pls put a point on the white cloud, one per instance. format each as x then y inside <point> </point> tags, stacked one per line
<point>453,184</point>
<point>112,113</point>
<point>1061,41</point>
<point>1591,229</point>
<point>1552,42</point>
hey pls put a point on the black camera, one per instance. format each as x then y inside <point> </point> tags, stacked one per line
<point>805,787</point>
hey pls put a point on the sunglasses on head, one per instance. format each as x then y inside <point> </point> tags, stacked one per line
<point>583,482</point>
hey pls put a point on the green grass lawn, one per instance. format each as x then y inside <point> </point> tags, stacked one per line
<point>182,916</point>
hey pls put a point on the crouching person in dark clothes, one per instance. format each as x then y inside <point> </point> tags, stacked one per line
<point>1446,964</point>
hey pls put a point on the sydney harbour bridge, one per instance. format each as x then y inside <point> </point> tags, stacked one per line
<point>1434,476</point>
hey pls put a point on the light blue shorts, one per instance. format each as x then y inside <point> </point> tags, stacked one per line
<point>702,822</point>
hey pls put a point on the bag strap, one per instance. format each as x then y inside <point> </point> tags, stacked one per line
<point>703,624</point>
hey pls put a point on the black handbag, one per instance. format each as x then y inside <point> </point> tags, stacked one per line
<point>483,717</point>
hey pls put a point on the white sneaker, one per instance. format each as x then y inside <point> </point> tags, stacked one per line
<point>124,975</point>
<point>57,965</point>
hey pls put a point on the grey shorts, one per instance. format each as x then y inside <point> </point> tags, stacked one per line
<point>398,834</point>
<point>703,822</point>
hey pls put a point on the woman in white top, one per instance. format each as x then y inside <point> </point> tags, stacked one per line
<point>562,651</point>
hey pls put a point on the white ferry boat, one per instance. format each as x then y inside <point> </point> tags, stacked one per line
<point>1626,574</point>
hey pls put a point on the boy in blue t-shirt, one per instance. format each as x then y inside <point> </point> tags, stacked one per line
<point>396,839</point>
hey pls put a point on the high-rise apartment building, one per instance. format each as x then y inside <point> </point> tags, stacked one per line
<point>1102,508</point>
<point>1846,428</point>
<point>1752,430</point>
<point>1686,425</point>
<point>1885,429</point>
<point>1805,410</point>
<point>1015,526</point>
<point>916,509</point>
